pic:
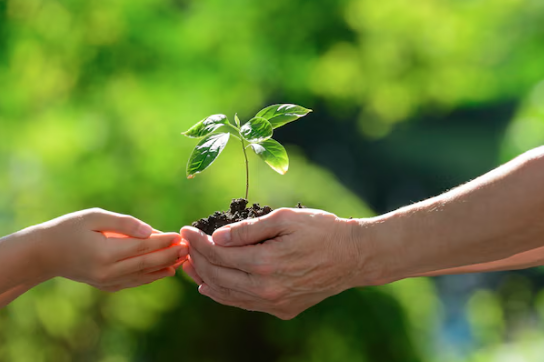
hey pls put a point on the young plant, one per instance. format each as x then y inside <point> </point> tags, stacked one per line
<point>216,130</point>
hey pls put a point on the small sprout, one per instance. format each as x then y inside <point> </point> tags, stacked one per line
<point>215,132</point>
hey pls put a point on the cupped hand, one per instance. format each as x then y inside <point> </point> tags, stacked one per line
<point>282,263</point>
<point>107,250</point>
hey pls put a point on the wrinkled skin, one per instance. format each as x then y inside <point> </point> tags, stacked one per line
<point>282,263</point>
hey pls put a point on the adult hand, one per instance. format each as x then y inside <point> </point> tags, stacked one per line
<point>282,263</point>
<point>107,250</point>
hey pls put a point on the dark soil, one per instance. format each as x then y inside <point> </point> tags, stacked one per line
<point>238,212</point>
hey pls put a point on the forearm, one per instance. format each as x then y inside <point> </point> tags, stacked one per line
<point>527,259</point>
<point>20,267</point>
<point>14,293</point>
<point>494,218</point>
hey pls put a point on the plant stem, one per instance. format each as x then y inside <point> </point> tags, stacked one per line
<point>247,168</point>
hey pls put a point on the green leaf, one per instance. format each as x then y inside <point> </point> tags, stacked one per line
<point>280,114</point>
<point>205,152</point>
<point>273,153</point>
<point>237,120</point>
<point>256,130</point>
<point>206,126</point>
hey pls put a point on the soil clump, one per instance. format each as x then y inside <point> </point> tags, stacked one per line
<point>238,211</point>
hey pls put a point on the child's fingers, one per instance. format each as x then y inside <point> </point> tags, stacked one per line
<point>101,220</point>
<point>153,261</point>
<point>151,277</point>
<point>111,234</point>
<point>178,263</point>
<point>129,248</point>
<point>136,281</point>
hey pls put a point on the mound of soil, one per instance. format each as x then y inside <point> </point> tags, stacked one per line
<point>237,212</point>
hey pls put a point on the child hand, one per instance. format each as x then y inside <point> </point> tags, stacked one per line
<point>107,250</point>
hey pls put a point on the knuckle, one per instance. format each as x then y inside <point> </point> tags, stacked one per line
<point>282,214</point>
<point>91,214</point>
<point>94,211</point>
<point>128,223</point>
<point>142,247</point>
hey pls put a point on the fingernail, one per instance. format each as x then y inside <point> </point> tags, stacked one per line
<point>203,289</point>
<point>222,236</point>
<point>144,230</point>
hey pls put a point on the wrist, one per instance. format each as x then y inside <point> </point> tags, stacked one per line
<point>22,258</point>
<point>38,252</point>
<point>379,250</point>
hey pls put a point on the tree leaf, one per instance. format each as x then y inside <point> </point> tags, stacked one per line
<point>280,114</point>
<point>206,126</point>
<point>237,120</point>
<point>256,130</point>
<point>205,152</point>
<point>273,153</point>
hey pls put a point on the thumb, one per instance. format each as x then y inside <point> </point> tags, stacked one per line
<point>248,232</point>
<point>105,221</point>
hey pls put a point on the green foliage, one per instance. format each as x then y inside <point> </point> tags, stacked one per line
<point>280,114</point>
<point>257,132</point>
<point>90,94</point>
<point>207,126</point>
<point>273,153</point>
<point>205,152</point>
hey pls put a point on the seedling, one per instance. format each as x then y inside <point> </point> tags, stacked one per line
<point>216,130</point>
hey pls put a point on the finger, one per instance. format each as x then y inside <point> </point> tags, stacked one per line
<point>234,299</point>
<point>180,263</point>
<point>140,280</point>
<point>222,278</point>
<point>189,269</point>
<point>250,304</point>
<point>182,258</point>
<point>101,220</point>
<point>111,234</point>
<point>149,262</point>
<point>250,231</point>
<point>129,248</point>
<point>242,258</point>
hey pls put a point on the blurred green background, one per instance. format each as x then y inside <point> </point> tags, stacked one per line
<point>410,99</point>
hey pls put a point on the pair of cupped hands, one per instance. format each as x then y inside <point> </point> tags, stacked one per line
<point>281,263</point>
